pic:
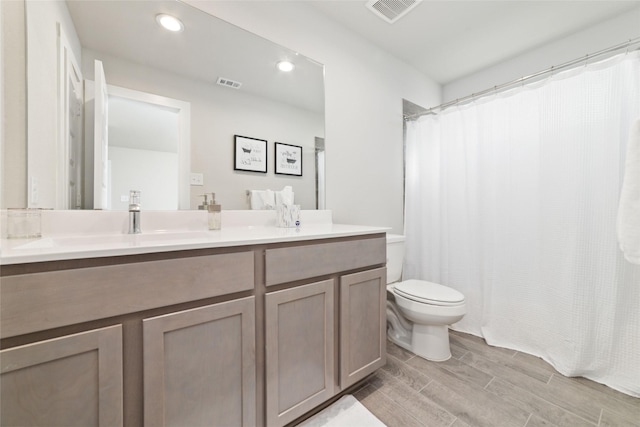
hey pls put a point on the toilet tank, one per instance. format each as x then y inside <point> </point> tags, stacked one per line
<point>395,257</point>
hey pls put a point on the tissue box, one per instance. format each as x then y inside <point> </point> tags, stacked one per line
<point>288,215</point>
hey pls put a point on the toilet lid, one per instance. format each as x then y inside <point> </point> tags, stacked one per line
<point>428,293</point>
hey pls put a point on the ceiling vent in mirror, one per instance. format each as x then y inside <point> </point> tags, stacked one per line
<point>229,83</point>
<point>391,10</point>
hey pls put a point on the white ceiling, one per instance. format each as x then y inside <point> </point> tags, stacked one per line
<point>208,48</point>
<point>447,40</point>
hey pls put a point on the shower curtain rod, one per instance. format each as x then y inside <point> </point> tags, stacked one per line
<point>628,45</point>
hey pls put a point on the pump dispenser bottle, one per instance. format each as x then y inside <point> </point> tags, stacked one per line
<point>205,203</point>
<point>214,214</point>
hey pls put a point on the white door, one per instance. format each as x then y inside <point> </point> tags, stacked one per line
<point>75,140</point>
<point>70,139</point>
<point>101,140</point>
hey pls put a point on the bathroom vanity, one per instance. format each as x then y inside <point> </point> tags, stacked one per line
<point>219,329</point>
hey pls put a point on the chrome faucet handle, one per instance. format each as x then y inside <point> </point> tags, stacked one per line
<point>134,199</point>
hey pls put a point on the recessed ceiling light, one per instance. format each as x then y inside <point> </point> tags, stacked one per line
<point>169,22</point>
<point>285,66</point>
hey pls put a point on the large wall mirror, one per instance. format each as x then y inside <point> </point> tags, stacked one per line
<point>117,102</point>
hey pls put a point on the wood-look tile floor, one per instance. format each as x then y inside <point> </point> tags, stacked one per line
<point>488,386</point>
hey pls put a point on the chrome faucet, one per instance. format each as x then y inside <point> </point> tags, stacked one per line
<point>134,212</point>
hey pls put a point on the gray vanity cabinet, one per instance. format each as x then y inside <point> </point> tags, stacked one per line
<point>363,323</point>
<point>164,338</point>
<point>324,336</point>
<point>241,336</point>
<point>199,366</point>
<point>73,380</point>
<point>299,350</point>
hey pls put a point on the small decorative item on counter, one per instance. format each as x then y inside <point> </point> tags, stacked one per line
<point>214,211</point>
<point>214,214</point>
<point>205,203</point>
<point>23,223</point>
<point>288,215</point>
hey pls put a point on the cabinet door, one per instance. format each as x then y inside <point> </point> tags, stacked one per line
<point>199,366</point>
<point>299,350</point>
<point>75,380</point>
<point>363,324</point>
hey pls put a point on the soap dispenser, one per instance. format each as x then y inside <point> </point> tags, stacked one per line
<point>214,214</point>
<point>205,203</point>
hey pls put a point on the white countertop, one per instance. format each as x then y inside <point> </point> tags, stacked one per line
<point>55,248</point>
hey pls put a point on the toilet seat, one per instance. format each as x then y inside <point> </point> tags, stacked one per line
<point>429,293</point>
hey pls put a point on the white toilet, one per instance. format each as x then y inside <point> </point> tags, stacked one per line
<point>419,312</point>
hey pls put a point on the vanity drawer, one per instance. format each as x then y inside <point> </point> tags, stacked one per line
<point>39,301</point>
<point>301,262</point>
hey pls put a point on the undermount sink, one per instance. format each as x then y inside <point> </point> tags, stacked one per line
<point>111,240</point>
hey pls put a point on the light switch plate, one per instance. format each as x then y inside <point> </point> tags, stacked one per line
<point>197,178</point>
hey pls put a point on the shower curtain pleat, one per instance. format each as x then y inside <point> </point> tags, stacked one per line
<point>513,200</point>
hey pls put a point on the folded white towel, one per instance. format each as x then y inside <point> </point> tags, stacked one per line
<point>255,201</point>
<point>268,199</point>
<point>629,208</point>
<point>261,199</point>
<point>285,196</point>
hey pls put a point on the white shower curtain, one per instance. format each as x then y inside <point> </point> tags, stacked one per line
<point>513,199</point>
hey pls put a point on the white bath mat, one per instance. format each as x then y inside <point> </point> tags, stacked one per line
<point>346,412</point>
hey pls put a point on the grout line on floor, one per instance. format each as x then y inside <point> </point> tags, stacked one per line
<point>426,385</point>
<point>560,407</point>
<point>399,405</point>
<point>490,381</point>
<point>600,417</point>
<point>412,416</point>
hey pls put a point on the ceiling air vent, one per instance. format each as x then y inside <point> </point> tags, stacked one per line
<point>229,83</point>
<point>391,10</point>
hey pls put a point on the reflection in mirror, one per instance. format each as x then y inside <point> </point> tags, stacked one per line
<point>320,194</point>
<point>148,136</point>
<point>87,153</point>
